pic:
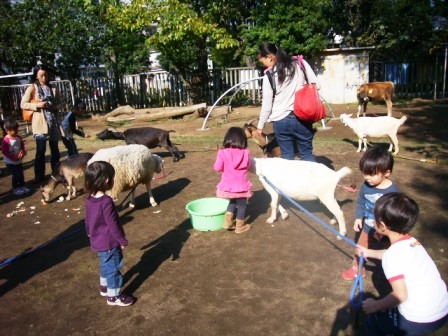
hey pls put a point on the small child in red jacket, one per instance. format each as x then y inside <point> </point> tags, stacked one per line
<point>233,161</point>
<point>13,150</point>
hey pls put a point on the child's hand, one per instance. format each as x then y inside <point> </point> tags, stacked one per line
<point>369,306</point>
<point>86,135</point>
<point>362,250</point>
<point>357,226</point>
<point>21,154</point>
<point>122,247</point>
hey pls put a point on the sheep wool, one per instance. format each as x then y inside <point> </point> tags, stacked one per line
<point>133,164</point>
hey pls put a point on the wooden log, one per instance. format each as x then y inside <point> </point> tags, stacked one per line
<point>155,114</point>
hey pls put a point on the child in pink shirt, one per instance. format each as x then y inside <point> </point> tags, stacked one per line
<point>233,161</point>
<point>13,150</point>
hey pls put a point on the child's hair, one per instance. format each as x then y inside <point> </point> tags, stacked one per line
<point>397,211</point>
<point>99,177</point>
<point>79,104</point>
<point>235,138</point>
<point>376,160</point>
<point>10,124</point>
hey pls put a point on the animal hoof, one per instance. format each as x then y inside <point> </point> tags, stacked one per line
<point>154,204</point>
<point>270,220</point>
<point>343,234</point>
<point>131,205</point>
<point>285,217</point>
<point>333,222</point>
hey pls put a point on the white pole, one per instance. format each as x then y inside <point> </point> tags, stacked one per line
<point>209,112</point>
<point>444,72</point>
<point>17,75</point>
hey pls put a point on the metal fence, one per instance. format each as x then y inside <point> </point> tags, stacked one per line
<point>158,89</point>
<point>11,96</point>
<point>412,79</point>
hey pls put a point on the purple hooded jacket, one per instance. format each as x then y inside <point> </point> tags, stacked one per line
<point>234,164</point>
<point>102,224</point>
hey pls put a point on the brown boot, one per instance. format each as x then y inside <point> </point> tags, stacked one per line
<point>228,221</point>
<point>241,226</point>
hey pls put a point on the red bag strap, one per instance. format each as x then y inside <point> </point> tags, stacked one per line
<point>299,60</point>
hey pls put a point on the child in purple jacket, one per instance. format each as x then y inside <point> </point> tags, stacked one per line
<point>233,161</point>
<point>105,232</point>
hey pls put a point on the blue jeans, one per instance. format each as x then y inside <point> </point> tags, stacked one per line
<point>111,263</point>
<point>16,171</point>
<point>292,133</point>
<point>391,322</point>
<point>39,160</point>
<point>70,144</point>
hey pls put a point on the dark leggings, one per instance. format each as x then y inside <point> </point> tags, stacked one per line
<point>240,205</point>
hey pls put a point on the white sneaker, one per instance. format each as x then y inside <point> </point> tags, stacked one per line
<point>25,189</point>
<point>18,191</point>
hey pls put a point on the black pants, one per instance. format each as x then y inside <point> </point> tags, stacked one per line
<point>16,171</point>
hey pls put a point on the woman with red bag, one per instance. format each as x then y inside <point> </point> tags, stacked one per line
<point>292,134</point>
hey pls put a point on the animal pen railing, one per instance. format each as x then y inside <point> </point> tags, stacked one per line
<point>156,89</point>
<point>424,80</point>
<point>412,79</point>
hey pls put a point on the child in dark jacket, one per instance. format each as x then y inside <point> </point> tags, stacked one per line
<point>105,232</point>
<point>70,127</point>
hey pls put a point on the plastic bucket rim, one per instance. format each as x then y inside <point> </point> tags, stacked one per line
<point>220,212</point>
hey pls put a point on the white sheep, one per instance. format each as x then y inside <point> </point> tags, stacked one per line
<point>134,165</point>
<point>300,180</point>
<point>375,127</point>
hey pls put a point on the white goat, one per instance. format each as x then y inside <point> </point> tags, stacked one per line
<point>301,180</point>
<point>375,127</point>
<point>134,165</point>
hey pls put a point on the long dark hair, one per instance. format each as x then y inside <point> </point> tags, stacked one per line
<point>284,61</point>
<point>36,69</point>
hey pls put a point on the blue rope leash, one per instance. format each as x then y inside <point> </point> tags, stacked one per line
<point>358,285</point>
<point>40,247</point>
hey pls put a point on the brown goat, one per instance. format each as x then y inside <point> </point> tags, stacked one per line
<point>66,172</point>
<point>266,142</point>
<point>375,91</point>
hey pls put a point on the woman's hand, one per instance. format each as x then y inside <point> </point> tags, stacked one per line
<point>258,131</point>
<point>41,104</point>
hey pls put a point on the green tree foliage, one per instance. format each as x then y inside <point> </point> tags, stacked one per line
<point>9,54</point>
<point>398,29</point>
<point>298,26</point>
<point>184,32</point>
<point>42,28</point>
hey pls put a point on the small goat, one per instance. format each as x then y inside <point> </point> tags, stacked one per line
<point>300,180</point>
<point>66,172</point>
<point>150,137</point>
<point>267,142</point>
<point>375,127</point>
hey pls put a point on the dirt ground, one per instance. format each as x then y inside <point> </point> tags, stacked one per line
<point>279,279</point>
